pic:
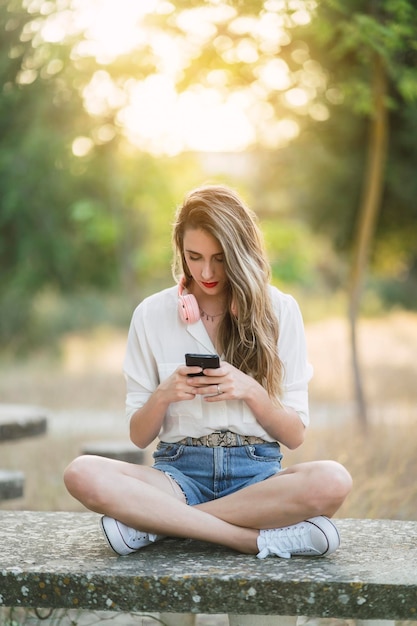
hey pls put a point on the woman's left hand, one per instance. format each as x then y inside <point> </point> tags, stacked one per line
<point>223,383</point>
<point>229,383</point>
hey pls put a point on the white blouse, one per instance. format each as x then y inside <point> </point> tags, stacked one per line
<point>157,343</point>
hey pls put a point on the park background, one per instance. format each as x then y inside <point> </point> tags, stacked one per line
<point>110,112</point>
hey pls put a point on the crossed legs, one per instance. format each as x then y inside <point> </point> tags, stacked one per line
<point>145,498</point>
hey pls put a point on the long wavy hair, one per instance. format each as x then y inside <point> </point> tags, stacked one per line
<point>248,332</point>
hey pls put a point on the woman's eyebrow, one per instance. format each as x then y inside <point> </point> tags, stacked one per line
<point>199,253</point>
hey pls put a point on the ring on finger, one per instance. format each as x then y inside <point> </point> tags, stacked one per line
<point>219,393</point>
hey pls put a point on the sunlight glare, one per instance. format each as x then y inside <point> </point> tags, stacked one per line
<point>246,51</point>
<point>275,75</point>
<point>280,134</point>
<point>101,95</point>
<point>271,33</point>
<point>243,25</point>
<point>161,121</point>
<point>301,17</point>
<point>26,77</point>
<point>81,146</point>
<point>148,119</point>
<point>212,124</point>
<point>190,22</point>
<point>150,111</point>
<point>171,55</point>
<point>58,26</point>
<point>319,112</point>
<point>217,78</point>
<point>104,133</point>
<point>112,32</point>
<point>201,20</point>
<point>297,97</point>
<point>302,10</point>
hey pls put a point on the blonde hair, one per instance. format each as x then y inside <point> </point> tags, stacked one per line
<point>248,333</point>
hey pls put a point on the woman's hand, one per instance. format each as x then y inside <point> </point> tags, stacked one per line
<point>146,422</point>
<point>223,383</point>
<point>229,383</point>
<point>176,388</point>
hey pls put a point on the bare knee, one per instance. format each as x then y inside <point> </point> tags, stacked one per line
<point>327,486</point>
<point>336,484</point>
<point>76,475</point>
<point>82,478</point>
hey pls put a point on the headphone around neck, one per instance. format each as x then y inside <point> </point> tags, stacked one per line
<point>188,308</point>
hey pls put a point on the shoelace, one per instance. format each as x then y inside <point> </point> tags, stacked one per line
<point>137,535</point>
<point>283,542</point>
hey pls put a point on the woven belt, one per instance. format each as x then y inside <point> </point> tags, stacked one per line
<point>223,438</point>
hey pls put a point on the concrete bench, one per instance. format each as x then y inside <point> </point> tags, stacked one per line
<point>59,560</point>
<point>18,421</point>
<point>11,484</point>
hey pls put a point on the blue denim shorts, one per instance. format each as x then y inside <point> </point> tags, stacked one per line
<point>205,474</point>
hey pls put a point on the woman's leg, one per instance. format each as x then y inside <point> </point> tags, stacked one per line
<point>143,498</point>
<point>295,494</point>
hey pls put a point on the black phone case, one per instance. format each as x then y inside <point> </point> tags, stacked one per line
<point>205,361</point>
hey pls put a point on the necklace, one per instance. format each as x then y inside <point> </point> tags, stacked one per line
<point>208,317</point>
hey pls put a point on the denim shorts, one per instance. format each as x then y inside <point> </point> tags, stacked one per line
<point>205,474</point>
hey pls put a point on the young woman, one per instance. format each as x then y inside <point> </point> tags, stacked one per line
<point>217,472</point>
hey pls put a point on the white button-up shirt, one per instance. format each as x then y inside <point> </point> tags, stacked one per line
<point>157,343</point>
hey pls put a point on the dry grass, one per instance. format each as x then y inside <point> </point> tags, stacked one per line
<point>383,464</point>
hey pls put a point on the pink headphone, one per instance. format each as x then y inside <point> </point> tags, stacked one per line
<point>188,309</point>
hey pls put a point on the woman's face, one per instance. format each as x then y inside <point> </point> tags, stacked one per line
<point>205,260</point>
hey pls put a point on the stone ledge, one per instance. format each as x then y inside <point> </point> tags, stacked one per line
<point>60,560</point>
<point>19,421</point>
<point>119,450</point>
<point>11,484</point>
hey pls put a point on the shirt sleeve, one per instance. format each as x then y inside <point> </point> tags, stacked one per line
<point>139,367</point>
<point>292,350</point>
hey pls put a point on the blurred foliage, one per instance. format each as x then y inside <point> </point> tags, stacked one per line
<point>91,221</point>
<point>349,40</point>
<point>323,169</point>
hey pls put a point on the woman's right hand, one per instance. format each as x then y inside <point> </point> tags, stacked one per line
<point>146,422</point>
<point>176,387</point>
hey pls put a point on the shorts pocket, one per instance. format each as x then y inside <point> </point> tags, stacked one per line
<point>168,452</point>
<point>264,452</point>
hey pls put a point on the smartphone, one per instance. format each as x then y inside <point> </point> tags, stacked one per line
<point>203,360</point>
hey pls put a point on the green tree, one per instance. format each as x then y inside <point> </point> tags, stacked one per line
<point>65,221</point>
<point>371,50</point>
<point>31,166</point>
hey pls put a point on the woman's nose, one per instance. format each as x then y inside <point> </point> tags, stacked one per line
<point>207,271</point>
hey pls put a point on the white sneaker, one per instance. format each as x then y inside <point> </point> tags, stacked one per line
<point>317,536</point>
<point>123,539</point>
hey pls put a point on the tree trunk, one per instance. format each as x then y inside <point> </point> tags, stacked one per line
<point>367,218</point>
